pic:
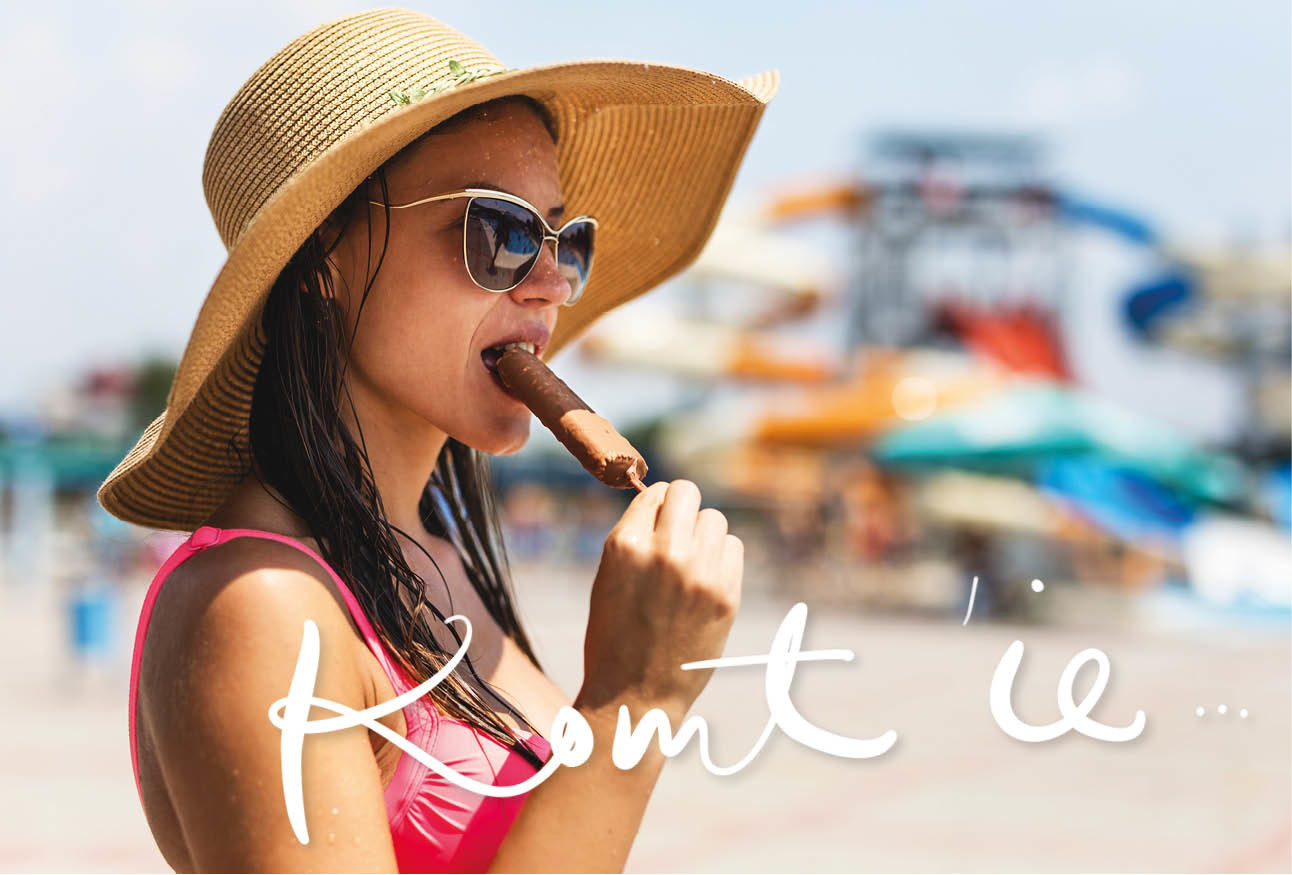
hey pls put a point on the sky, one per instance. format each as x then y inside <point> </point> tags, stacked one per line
<point>1176,110</point>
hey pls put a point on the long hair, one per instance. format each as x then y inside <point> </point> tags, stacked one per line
<point>301,445</point>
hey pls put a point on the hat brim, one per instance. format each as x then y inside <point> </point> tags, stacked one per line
<point>652,150</point>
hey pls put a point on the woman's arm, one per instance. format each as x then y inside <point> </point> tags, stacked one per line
<point>666,593</point>
<point>584,818</point>
<point>219,667</point>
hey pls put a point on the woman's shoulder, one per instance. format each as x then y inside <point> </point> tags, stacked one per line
<point>224,642</point>
<point>264,557</point>
<point>259,569</point>
<point>242,601</point>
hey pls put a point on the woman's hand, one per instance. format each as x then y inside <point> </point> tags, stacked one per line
<point>666,593</point>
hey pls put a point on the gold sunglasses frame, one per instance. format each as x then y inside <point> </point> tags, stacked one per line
<point>550,233</point>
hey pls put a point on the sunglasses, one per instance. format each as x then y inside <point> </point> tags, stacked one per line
<point>503,235</point>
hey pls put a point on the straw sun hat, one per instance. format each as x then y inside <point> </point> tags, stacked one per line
<point>651,150</point>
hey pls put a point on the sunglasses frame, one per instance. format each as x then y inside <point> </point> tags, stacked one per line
<point>549,233</point>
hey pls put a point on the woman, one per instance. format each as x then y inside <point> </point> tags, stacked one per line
<point>388,192</point>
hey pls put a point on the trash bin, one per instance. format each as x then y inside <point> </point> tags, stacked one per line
<point>92,610</point>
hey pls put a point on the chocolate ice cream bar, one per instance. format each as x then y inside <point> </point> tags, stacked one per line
<point>592,440</point>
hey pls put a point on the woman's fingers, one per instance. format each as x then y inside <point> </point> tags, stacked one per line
<point>733,566</point>
<point>710,531</point>
<point>666,591</point>
<point>638,521</point>
<point>675,528</point>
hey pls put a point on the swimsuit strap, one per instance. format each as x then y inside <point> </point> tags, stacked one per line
<point>399,679</point>
<point>209,536</point>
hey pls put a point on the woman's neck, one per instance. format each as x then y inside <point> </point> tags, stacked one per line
<point>402,449</point>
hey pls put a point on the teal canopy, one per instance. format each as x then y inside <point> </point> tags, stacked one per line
<point>1014,431</point>
<point>72,463</point>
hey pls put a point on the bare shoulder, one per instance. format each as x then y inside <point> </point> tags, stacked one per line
<point>222,647</point>
<point>244,587</point>
<point>232,618</point>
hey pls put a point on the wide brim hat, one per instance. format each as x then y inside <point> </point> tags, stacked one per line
<point>650,149</point>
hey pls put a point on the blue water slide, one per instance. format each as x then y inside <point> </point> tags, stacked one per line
<point>1127,225</point>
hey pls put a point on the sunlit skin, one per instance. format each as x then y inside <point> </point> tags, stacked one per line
<point>415,377</point>
<point>225,632</point>
<point>415,374</point>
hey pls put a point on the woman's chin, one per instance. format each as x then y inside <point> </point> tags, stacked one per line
<point>503,444</point>
<point>512,448</point>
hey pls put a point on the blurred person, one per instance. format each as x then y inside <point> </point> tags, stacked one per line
<point>1102,559</point>
<point>800,530</point>
<point>874,519</point>
<point>332,468</point>
<point>972,552</point>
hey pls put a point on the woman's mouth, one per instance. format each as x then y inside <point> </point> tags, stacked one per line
<point>490,357</point>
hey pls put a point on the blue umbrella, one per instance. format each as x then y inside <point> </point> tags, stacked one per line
<point>1122,501</point>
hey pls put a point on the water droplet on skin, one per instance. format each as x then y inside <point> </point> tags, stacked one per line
<point>331,837</point>
<point>1201,710</point>
<point>336,810</point>
<point>356,840</point>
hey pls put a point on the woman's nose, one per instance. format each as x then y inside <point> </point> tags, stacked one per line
<point>545,281</point>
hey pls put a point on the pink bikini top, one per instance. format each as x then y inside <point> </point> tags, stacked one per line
<point>436,825</point>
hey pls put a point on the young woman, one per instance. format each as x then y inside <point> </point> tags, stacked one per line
<point>326,442</point>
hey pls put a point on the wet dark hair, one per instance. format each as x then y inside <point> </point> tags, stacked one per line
<point>302,447</point>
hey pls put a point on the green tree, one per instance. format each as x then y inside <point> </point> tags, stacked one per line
<point>152,385</point>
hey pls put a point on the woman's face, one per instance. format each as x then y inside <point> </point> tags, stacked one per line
<point>416,358</point>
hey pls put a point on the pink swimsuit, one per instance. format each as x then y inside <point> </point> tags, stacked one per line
<point>436,825</point>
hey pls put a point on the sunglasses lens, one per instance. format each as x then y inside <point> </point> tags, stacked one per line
<point>503,241</point>
<point>575,248</point>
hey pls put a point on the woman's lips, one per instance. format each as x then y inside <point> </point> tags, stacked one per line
<point>487,359</point>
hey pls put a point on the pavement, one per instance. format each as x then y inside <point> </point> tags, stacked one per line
<point>954,793</point>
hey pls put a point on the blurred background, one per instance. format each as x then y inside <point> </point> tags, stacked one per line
<point>1002,295</point>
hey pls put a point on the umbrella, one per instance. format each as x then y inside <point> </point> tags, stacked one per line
<point>978,501</point>
<point>1020,427</point>
<point>1122,501</point>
